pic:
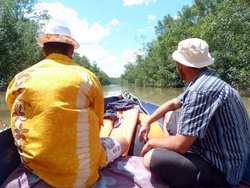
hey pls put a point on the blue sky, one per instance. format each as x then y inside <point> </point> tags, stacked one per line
<point>111,32</point>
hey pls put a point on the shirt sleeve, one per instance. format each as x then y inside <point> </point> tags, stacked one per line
<point>179,99</point>
<point>195,114</point>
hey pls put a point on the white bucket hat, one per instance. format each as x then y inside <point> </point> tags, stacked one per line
<point>193,52</point>
<point>57,33</point>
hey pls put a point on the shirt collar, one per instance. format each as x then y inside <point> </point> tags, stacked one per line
<point>199,75</point>
<point>60,58</point>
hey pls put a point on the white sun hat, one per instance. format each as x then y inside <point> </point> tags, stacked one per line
<point>193,52</point>
<point>57,33</point>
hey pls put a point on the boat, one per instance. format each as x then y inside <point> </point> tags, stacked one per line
<point>126,171</point>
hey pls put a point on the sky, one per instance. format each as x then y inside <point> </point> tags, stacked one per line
<point>111,32</point>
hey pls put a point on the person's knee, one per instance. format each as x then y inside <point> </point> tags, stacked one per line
<point>167,117</point>
<point>184,173</point>
<point>147,159</point>
<point>123,143</point>
<point>164,123</point>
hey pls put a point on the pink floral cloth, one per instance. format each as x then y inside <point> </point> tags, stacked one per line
<point>124,172</point>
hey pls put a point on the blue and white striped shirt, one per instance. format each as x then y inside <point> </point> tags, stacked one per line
<point>213,111</point>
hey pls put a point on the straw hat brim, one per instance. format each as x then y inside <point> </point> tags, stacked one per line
<point>57,38</point>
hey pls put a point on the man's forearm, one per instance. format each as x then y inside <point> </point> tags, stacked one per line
<point>162,110</point>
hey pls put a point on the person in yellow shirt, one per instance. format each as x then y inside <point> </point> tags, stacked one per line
<point>57,109</point>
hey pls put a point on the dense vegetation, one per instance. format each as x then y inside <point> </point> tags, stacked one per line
<point>223,24</point>
<point>20,25</point>
<point>18,32</point>
<point>83,61</point>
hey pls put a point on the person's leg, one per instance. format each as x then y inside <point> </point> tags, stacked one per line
<point>165,120</point>
<point>173,168</point>
<point>114,147</point>
<point>187,170</point>
<point>136,146</point>
<point>123,143</point>
<point>147,158</point>
<point>169,123</point>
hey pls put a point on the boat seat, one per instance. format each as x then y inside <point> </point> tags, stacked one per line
<point>9,155</point>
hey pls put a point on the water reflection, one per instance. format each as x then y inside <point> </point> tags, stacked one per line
<point>4,112</point>
<point>150,94</point>
<point>160,95</point>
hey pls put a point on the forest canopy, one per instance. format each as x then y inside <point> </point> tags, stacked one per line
<point>223,24</point>
<point>20,25</point>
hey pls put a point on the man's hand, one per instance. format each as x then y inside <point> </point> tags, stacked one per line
<point>146,148</point>
<point>178,143</point>
<point>143,134</point>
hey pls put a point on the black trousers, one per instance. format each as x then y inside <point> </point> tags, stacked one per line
<point>184,170</point>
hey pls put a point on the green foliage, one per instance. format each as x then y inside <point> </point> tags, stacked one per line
<point>83,61</point>
<point>20,24</point>
<point>223,24</point>
<point>115,81</point>
<point>101,75</point>
<point>18,32</point>
<point>228,33</point>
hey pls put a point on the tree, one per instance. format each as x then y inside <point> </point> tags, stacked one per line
<point>223,24</point>
<point>227,31</point>
<point>19,28</point>
<point>20,24</point>
<point>84,62</point>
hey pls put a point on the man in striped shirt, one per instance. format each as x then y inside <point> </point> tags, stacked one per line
<point>207,142</point>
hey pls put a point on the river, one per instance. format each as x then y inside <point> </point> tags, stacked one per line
<point>150,94</point>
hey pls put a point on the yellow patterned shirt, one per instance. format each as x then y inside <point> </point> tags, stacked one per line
<point>56,112</point>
